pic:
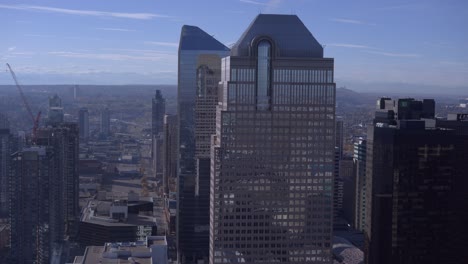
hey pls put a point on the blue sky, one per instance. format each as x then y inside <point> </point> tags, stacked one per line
<point>135,41</point>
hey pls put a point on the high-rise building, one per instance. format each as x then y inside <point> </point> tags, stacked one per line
<point>157,132</point>
<point>339,136</point>
<point>359,160</point>
<point>338,182</point>
<point>416,182</point>
<point>34,203</point>
<point>5,151</point>
<point>105,122</point>
<point>55,114</point>
<point>272,156</point>
<point>198,53</point>
<point>63,140</point>
<point>170,153</point>
<point>83,122</point>
<point>158,111</point>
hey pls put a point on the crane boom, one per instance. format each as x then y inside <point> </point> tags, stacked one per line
<point>36,119</point>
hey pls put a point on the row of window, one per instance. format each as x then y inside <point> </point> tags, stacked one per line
<point>285,75</point>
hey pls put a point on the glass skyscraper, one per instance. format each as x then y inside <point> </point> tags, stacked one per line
<point>272,159</point>
<point>199,56</point>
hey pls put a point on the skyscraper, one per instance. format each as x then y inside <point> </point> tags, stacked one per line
<point>170,152</point>
<point>359,163</point>
<point>34,203</point>
<point>273,154</point>
<point>198,53</point>
<point>158,108</point>
<point>4,165</point>
<point>63,141</point>
<point>55,114</point>
<point>83,122</point>
<point>157,132</point>
<point>416,195</point>
<point>105,122</point>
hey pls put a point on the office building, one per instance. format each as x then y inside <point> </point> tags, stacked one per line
<point>198,53</point>
<point>359,163</point>
<point>157,132</point>
<point>115,220</point>
<point>35,205</point>
<point>63,140</point>
<point>339,136</point>
<point>5,151</point>
<point>55,114</point>
<point>105,122</point>
<point>158,111</point>
<point>416,187</point>
<point>83,122</point>
<point>170,154</point>
<point>272,156</point>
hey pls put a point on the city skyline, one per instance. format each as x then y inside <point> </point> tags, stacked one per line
<point>94,43</point>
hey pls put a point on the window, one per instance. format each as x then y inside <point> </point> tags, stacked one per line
<point>263,74</point>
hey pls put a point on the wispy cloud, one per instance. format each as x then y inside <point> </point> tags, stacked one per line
<point>117,29</point>
<point>164,44</point>
<point>39,35</point>
<point>391,54</point>
<point>252,2</point>
<point>374,50</point>
<point>10,49</point>
<point>112,56</point>
<point>396,7</point>
<point>94,13</point>
<point>351,21</point>
<point>347,45</point>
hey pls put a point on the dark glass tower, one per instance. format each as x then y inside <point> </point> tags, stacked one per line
<point>157,132</point>
<point>105,122</point>
<point>5,151</point>
<point>63,140</point>
<point>272,158</point>
<point>83,122</point>
<point>416,198</point>
<point>34,203</point>
<point>197,51</point>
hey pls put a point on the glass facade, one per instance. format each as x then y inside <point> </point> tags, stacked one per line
<point>263,74</point>
<point>272,161</point>
<point>196,48</point>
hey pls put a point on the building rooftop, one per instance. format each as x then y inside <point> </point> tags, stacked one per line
<point>125,252</point>
<point>290,35</point>
<point>193,38</point>
<point>345,252</point>
<point>98,212</point>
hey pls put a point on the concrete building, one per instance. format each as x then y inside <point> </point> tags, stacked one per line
<point>198,67</point>
<point>151,251</point>
<point>416,186</point>
<point>114,220</point>
<point>83,122</point>
<point>272,156</point>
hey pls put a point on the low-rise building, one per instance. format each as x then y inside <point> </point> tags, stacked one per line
<point>151,251</point>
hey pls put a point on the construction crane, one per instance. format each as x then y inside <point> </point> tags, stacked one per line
<point>36,119</point>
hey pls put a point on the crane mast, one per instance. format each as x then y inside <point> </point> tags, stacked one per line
<point>35,120</point>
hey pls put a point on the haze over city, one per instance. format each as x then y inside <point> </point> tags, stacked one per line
<point>233,131</point>
<point>378,45</point>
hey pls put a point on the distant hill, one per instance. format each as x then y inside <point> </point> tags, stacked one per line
<point>346,96</point>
